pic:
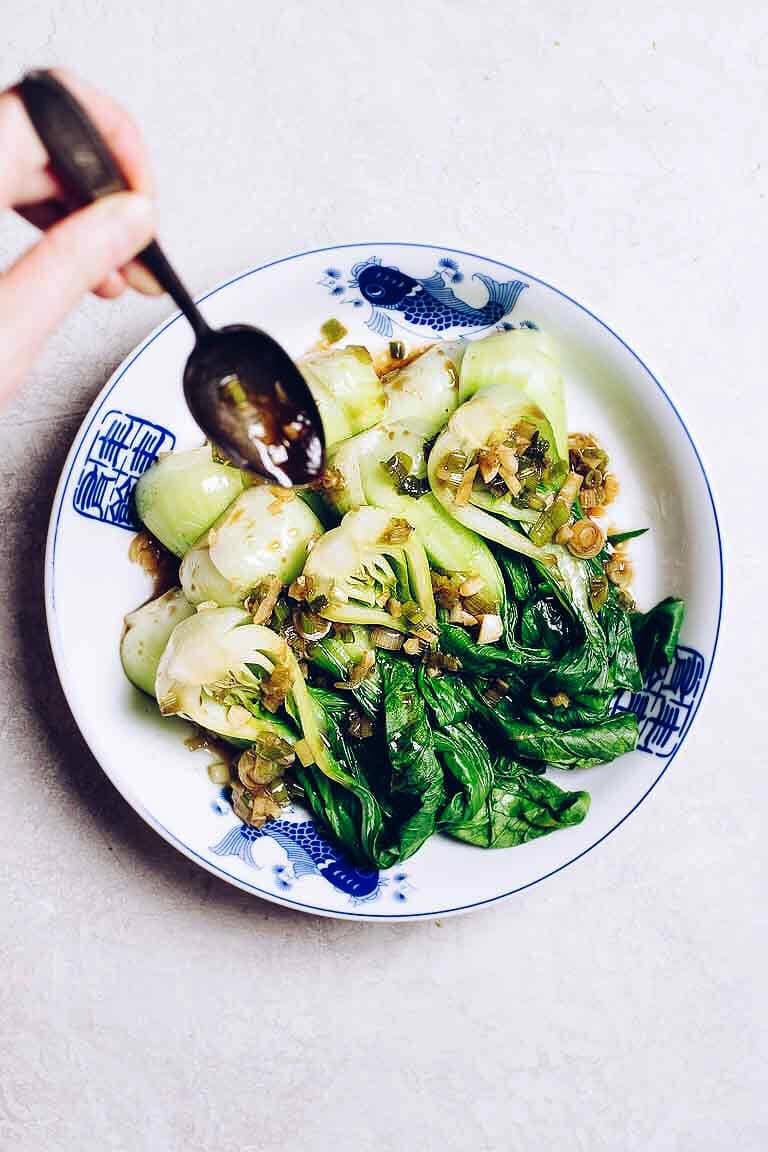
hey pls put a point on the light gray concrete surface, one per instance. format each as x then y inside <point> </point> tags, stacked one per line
<point>620,152</point>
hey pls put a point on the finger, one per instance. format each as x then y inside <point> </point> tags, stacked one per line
<point>70,259</point>
<point>23,173</point>
<point>34,186</point>
<point>134,274</point>
<point>141,279</point>
<point>25,176</point>
<point>112,286</point>
<point>50,212</point>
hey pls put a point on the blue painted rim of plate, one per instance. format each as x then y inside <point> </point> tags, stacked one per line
<point>51,561</point>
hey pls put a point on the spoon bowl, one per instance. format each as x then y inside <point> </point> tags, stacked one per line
<point>252,402</point>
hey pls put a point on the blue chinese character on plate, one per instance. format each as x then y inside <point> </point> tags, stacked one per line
<point>122,449</point>
<point>664,707</point>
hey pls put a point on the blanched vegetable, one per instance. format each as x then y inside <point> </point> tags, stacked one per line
<point>451,548</point>
<point>348,393</point>
<point>416,785</point>
<point>394,793</point>
<point>211,673</point>
<point>419,399</point>
<point>413,680</point>
<point>343,802</point>
<point>370,560</point>
<point>545,743</point>
<point>218,669</point>
<point>467,762</point>
<point>181,495</point>
<point>266,532</point>
<point>340,655</point>
<point>363,470</point>
<point>202,582</point>
<point>360,475</point>
<point>518,807</point>
<point>506,447</point>
<point>147,631</point>
<point>422,395</point>
<point>656,634</point>
<point>523,367</point>
<point>346,475</point>
<point>453,471</point>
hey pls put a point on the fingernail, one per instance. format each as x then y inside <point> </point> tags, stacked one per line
<point>141,279</point>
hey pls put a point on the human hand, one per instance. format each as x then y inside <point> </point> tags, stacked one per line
<point>87,250</point>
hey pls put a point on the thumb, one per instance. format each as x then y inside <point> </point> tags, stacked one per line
<point>71,258</point>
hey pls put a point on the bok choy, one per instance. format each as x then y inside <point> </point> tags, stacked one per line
<point>266,532</point>
<point>505,449</point>
<point>348,393</point>
<point>147,632</point>
<point>427,641</point>
<point>181,495</point>
<point>372,570</point>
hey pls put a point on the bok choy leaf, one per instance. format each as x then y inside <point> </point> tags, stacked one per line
<point>520,807</point>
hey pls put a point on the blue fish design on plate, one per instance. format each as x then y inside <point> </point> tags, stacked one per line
<point>308,852</point>
<point>430,302</point>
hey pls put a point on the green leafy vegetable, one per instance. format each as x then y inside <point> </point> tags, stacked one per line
<point>584,666</point>
<point>544,624</point>
<point>334,704</point>
<point>401,795</point>
<point>448,698</point>
<point>544,742</point>
<point>522,368</point>
<point>420,397</point>
<point>518,574</point>
<point>466,759</point>
<point>507,380</point>
<point>656,634</point>
<point>263,533</point>
<point>520,807</point>
<point>210,673</point>
<point>616,622</point>
<point>400,723</point>
<point>489,659</point>
<point>583,710</point>
<point>343,800</point>
<point>417,792</point>
<point>338,658</point>
<point>422,394</point>
<point>348,393</point>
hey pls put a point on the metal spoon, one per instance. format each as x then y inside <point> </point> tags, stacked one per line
<point>242,388</point>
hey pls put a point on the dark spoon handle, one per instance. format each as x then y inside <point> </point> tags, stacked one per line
<point>88,170</point>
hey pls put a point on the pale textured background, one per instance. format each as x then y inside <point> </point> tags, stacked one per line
<point>621,1005</point>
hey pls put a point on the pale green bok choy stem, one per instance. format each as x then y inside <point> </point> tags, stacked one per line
<point>348,393</point>
<point>182,493</point>
<point>369,560</point>
<point>147,632</point>
<point>212,672</point>
<point>266,532</point>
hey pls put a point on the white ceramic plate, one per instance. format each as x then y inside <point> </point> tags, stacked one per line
<point>90,584</point>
